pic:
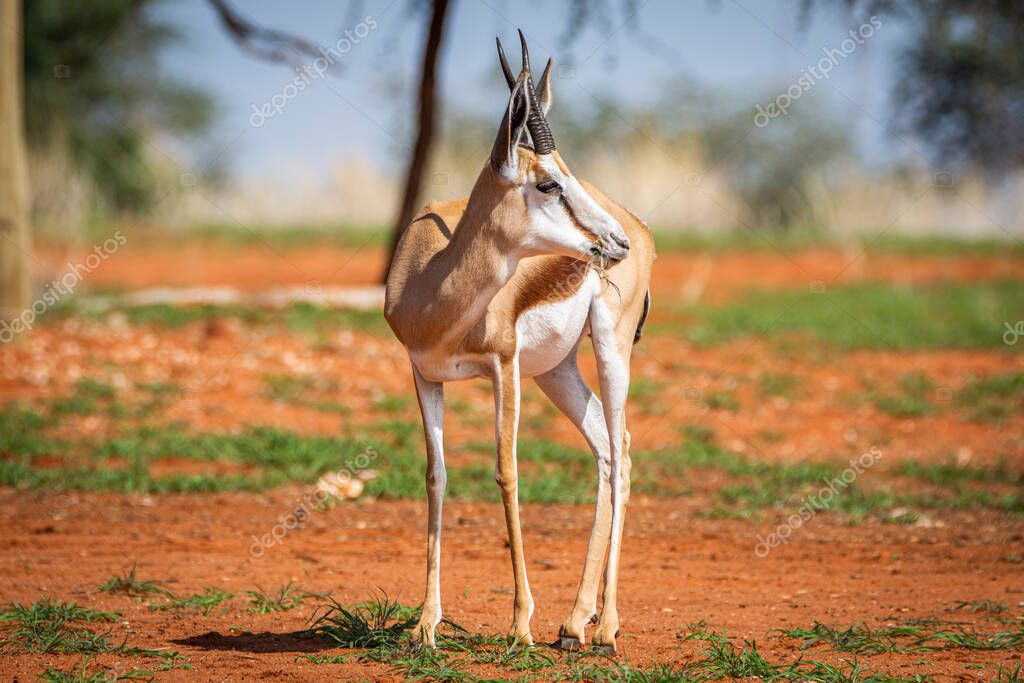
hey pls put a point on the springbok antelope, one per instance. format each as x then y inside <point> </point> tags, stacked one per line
<point>504,285</point>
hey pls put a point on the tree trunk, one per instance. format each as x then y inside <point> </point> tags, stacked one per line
<point>14,198</point>
<point>425,125</point>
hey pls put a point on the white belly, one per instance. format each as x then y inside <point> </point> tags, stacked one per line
<point>441,368</point>
<point>547,333</point>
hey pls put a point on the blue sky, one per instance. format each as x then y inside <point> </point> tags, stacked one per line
<point>745,48</point>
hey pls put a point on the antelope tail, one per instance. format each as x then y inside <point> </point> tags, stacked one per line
<point>643,317</point>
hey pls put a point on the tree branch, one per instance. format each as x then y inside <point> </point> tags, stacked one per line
<point>264,43</point>
<point>427,112</point>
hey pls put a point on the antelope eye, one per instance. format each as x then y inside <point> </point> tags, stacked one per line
<point>549,186</point>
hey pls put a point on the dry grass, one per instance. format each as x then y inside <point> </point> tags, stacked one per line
<point>669,187</point>
<point>669,182</point>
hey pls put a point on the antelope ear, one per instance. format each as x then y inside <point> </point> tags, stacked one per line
<point>544,97</point>
<point>505,153</point>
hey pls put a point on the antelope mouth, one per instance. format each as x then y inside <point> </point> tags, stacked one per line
<point>604,252</point>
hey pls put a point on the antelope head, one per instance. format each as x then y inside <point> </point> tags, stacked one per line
<point>550,211</point>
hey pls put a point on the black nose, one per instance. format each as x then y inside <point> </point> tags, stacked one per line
<point>622,241</point>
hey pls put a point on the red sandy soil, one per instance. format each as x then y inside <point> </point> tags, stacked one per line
<point>729,273</point>
<point>678,567</point>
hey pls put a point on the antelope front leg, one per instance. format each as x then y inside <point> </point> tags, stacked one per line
<point>431,400</point>
<point>613,371</point>
<point>567,390</point>
<point>506,473</point>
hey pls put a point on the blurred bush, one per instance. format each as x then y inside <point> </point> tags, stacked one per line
<point>93,91</point>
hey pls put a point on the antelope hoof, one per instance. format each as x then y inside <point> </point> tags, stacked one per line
<point>520,637</point>
<point>423,637</point>
<point>568,644</point>
<point>603,641</point>
<point>518,642</point>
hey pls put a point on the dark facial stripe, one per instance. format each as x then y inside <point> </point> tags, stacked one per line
<point>574,219</point>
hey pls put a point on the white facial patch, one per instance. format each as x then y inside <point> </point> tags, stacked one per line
<point>588,212</point>
<point>552,229</point>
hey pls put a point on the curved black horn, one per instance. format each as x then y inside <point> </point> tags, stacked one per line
<point>526,52</point>
<point>537,124</point>
<point>505,68</point>
<point>544,84</point>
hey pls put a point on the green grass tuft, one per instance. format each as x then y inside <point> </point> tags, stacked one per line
<point>912,399</point>
<point>645,393</point>
<point>962,638</point>
<point>993,399</point>
<point>53,627</point>
<point>397,403</point>
<point>286,598</point>
<point>82,674</point>
<point>861,639</point>
<point>21,432</point>
<point>200,602</point>
<point>301,390</point>
<point>778,385</point>
<point>952,475</point>
<point>976,606</point>
<point>130,584</point>
<point>616,672</point>
<point>1014,675</point>
<point>89,397</point>
<point>724,659</point>
<point>379,623</point>
<point>721,400</point>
